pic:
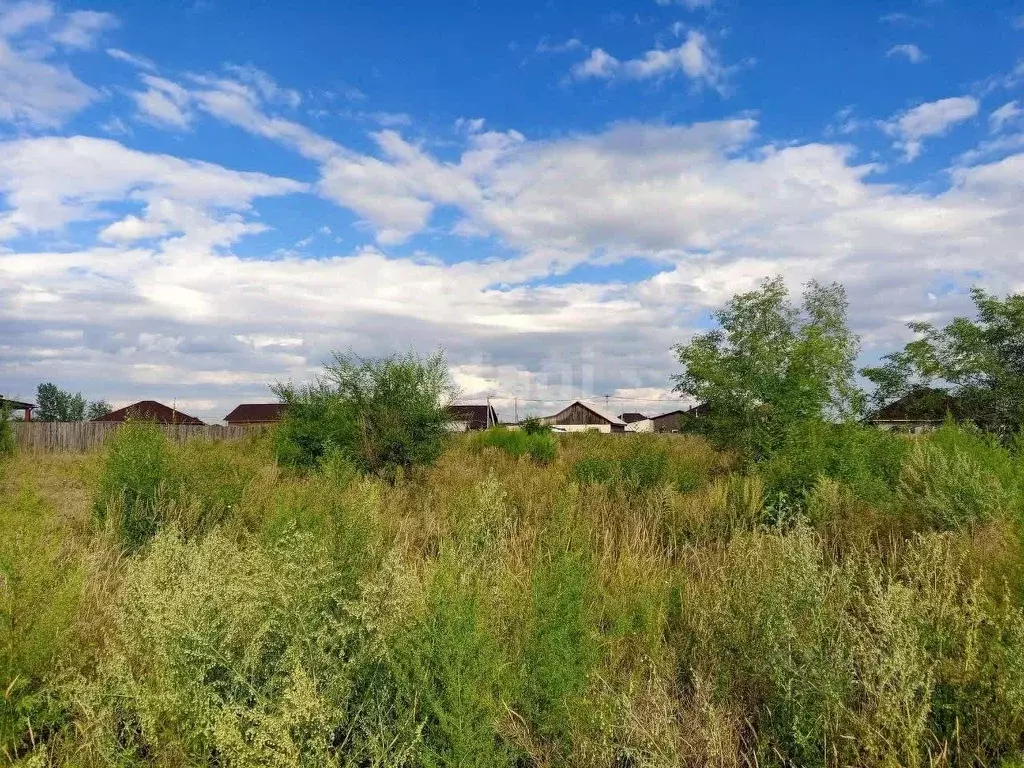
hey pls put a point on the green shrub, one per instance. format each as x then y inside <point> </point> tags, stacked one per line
<point>134,482</point>
<point>385,416</point>
<point>866,459</point>
<point>534,426</point>
<point>542,448</point>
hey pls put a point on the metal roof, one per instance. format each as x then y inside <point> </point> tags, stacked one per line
<point>150,410</point>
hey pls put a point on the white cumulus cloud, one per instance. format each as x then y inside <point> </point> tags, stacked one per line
<point>933,118</point>
<point>695,58</point>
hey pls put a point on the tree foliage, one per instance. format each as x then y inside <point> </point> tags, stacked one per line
<point>771,364</point>
<point>382,415</point>
<point>56,404</point>
<point>982,360</point>
<point>96,409</point>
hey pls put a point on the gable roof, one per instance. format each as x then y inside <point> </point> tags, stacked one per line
<point>15,405</point>
<point>256,413</point>
<point>594,410</point>
<point>629,418</point>
<point>921,404</point>
<point>676,412</point>
<point>150,410</point>
<point>474,415</point>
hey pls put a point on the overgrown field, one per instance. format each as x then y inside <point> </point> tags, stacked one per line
<point>580,600</point>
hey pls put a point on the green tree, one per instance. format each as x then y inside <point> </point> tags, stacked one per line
<point>770,365</point>
<point>96,409</point>
<point>56,404</point>
<point>382,415</point>
<point>981,360</point>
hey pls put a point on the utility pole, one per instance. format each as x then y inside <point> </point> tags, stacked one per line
<point>487,418</point>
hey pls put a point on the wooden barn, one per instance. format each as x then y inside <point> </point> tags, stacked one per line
<point>584,417</point>
<point>150,410</point>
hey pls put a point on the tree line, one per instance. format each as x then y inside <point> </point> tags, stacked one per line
<point>771,365</point>
<point>56,404</point>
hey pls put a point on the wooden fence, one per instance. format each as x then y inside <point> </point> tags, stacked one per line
<point>68,437</point>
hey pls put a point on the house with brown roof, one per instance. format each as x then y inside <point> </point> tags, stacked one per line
<point>149,410</point>
<point>471,418</point>
<point>921,410</point>
<point>256,414</point>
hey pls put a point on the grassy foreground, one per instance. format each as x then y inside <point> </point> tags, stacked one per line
<point>625,601</point>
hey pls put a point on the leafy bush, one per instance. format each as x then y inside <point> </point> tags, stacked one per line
<point>134,481</point>
<point>534,426</point>
<point>540,446</point>
<point>384,415</point>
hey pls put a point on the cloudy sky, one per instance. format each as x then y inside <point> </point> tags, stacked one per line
<point>199,197</point>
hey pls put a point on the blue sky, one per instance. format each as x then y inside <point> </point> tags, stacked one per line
<point>198,198</point>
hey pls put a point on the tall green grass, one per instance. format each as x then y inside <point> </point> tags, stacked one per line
<point>855,600</point>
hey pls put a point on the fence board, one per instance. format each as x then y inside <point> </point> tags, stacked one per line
<point>76,436</point>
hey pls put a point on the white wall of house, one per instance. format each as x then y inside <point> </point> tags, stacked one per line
<point>644,425</point>
<point>604,428</point>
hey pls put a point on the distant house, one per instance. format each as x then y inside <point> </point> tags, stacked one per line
<point>669,422</point>
<point>17,405</point>
<point>470,418</point>
<point>629,418</point>
<point>584,417</point>
<point>256,414</point>
<point>150,410</point>
<point>922,410</point>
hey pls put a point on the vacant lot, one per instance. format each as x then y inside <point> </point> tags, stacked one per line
<point>606,601</point>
